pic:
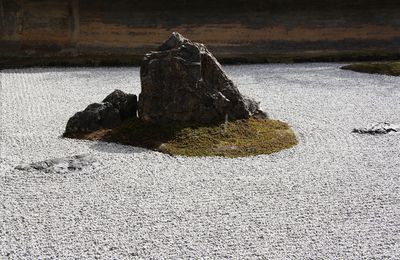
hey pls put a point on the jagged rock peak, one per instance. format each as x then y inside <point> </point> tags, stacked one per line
<point>184,82</point>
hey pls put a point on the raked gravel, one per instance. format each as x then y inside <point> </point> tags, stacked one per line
<point>335,195</point>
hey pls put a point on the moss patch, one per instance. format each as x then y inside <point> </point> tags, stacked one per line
<point>385,68</point>
<point>235,139</point>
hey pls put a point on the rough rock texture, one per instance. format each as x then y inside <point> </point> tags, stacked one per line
<point>61,165</point>
<point>94,117</point>
<point>115,108</point>
<point>125,103</point>
<point>183,82</point>
<point>380,128</point>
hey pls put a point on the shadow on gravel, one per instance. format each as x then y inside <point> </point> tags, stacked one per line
<point>105,147</point>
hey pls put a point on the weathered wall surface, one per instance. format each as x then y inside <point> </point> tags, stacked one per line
<point>253,30</point>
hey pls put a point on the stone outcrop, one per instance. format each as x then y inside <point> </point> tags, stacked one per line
<point>183,82</point>
<point>115,108</point>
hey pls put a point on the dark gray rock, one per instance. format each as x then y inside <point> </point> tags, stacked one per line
<point>380,128</point>
<point>61,165</point>
<point>94,117</point>
<point>125,103</point>
<point>183,82</point>
<point>115,108</point>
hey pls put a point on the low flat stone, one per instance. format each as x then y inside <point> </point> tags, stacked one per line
<point>61,165</point>
<point>380,128</point>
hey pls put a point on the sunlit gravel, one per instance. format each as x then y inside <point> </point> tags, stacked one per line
<point>335,195</point>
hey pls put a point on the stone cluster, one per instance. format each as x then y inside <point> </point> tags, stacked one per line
<point>181,82</point>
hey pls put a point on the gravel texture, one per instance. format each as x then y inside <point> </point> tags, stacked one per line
<point>335,195</point>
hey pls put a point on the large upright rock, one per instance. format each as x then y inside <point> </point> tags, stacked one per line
<point>183,82</point>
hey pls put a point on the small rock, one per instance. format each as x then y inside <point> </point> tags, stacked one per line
<point>94,117</point>
<point>60,165</point>
<point>115,108</point>
<point>380,128</point>
<point>125,103</point>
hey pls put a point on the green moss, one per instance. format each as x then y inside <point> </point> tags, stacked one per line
<point>385,68</point>
<point>235,139</point>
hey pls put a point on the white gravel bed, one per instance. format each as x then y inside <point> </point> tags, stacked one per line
<point>335,195</point>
